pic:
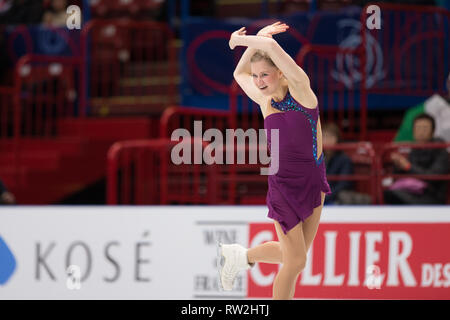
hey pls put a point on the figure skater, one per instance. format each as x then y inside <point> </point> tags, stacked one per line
<point>296,193</point>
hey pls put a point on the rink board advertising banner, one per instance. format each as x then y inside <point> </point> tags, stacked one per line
<point>169,252</point>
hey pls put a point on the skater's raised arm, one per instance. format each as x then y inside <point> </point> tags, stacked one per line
<point>282,60</point>
<point>242,74</point>
<point>243,66</point>
<point>244,63</point>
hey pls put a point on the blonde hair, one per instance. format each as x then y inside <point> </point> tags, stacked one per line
<point>262,55</point>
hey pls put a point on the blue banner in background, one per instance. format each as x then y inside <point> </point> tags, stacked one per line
<point>208,63</point>
<point>21,40</point>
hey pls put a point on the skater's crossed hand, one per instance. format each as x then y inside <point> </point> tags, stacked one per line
<point>234,35</point>
<point>268,31</point>
<point>272,29</point>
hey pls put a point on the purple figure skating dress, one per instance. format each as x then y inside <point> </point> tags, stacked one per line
<point>295,190</point>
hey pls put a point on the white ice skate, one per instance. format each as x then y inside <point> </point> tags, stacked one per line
<point>232,258</point>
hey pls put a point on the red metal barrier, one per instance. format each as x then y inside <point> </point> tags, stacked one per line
<point>143,172</point>
<point>385,165</point>
<point>129,67</point>
<point>6,112</point>
<point>46,89</point>
<point>338,97</point>
<point>364,162</point>
<point>176,117</point>
<point>250,186</point>
<point>7,126</point>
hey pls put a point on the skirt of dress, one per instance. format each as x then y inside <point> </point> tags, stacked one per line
<point>293,196</point>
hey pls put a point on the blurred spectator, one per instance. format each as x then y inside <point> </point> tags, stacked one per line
<point>437,106</point>
<point>336,162</point>
<point>57,15</point>
<point>6,197</point>
<point>15,12</point>
<point>420,161</point>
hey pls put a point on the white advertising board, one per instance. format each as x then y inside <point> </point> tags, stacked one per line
<point>169,252</point>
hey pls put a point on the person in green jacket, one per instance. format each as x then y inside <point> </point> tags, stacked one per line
<point>436,106</point>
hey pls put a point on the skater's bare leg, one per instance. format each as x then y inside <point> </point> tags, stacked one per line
<point>311,224</point>
<point>268,252</point>
<point>293,250</point>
